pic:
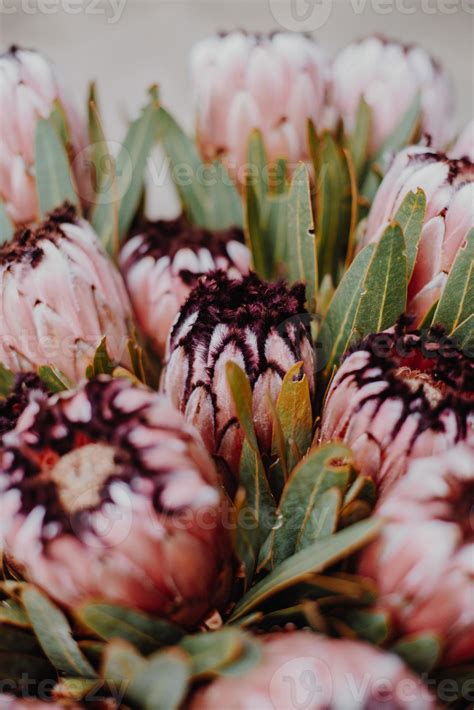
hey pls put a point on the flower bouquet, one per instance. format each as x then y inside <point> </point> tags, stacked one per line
<point>237,447</point>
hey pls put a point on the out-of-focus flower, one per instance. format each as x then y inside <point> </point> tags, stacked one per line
<point>303,669</point>
<point>164,262</point>
<point>245,81</point>
<point>29,88</point>
<point>388,75</point>
<point>109,493</point>
<point>423,559</point>
<point>10,702</point>
<point>464,145</point>
<point>449,188</point>
<point>398,397</point>
<point>260,326</point>
<point>59,295</point>
<point>28,387</point>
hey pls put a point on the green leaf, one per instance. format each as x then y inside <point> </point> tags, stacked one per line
<point>210,652</point>
<point>208,195</point>
<point>255,233</point>
<point>333,205</point>
<point>241,392</point>
<point>294,412</point>
<point>162,683</point>
<point>385,284</point>
<point>338,327</point>
<point>420,651</point>
<point>249,658</point>
<point>54,379</point>
<point>302,257</point>
<point>6,226</point>
<point>145,632</point>
<point>463,336</point>
<point>404,134</point>
<point>7,380</point>
<point>324,467</point>
<point>101,364</point>
<point>315,558</point>
<point>54,634</point>
<point>358,142</point>
<point>410,216</point>
<point>121,661</point>
<point>456,304</point>
<point>11,612</point>
<point>372,626</point>
<point>323,518</point>
<point>105,213</point>
<point>54,182</point>
<point>131,164</point>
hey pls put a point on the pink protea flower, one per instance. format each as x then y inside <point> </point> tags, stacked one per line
<point>59,295</point>
<point>163,263</point>
<point>29,88</point>
<point>449,188</point>
<point>109,494</point>
<point>245,81</point>
<point>262,327</point>
<point>423,559</point>
<point>464,145</point>
<point>303,669</point>
<point>398,397</point>
<point>10,702</point>
<point>27,387</point>
<point>388,75</point>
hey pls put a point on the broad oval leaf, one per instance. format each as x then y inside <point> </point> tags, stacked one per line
<point>145,632</point>
<point>54,634</point>
<point>161,683</point>
<point>54,182</point>
<point>315,558</point>
<point>295,416</point>
<point>210,652</point>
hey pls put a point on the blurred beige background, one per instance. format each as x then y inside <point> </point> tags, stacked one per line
<point>126,45</point>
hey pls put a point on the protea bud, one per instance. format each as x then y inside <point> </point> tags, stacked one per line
<point>109,494</point>
<point>262,327</point>
<point>449,188</point>
<point>164,262</point>
<point>388,76</point>
<point>302,669</point>
<point>59,295</point>
<point>464,145</point>
<point>398,397</point>
<point>27,388</point>
<point>29,88</point>
<point>422,561</point>
<point>245,81</point>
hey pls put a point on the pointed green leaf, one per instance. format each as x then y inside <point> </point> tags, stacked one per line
<point>54,182</point>
<point>11,612</point>
<point>208,195</point>
<point>338,326</point>
<point>333,205</point>
<point>302,260</point>
<point>255,233</point>
<point>456,304</point>
<point>385,284</point>
<point>162,684</point>
<point>6,226</point>
<point>315,558</point>
<point>54,634</point>
<point>420,651</point>
<point>323,468</point>
<point>410,216</point>
<point>54,379</point>
<point>101,364</point>
<point>322,520</point>
<point>241,392</point>
<point>358,142</point>
<point>294,412</point>
<point>463,336</point>
<point>209,652</point>
<point>145,632</point>
<point>372,626</point>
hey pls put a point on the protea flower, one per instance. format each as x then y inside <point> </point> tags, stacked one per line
<point>397,397</point>
<point>109,494</point>
<point>10,702</point>
<point>464,145</point>
<point>422,561</point>
<point>449,189</point>
<point>29,88</point>
<point>262,327</point>
<point>27,387</point>
<point>388,76</point>
<point>59,295</point>
<point>302,669</point>
<point>163,262</point>
<point>246,81</point>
